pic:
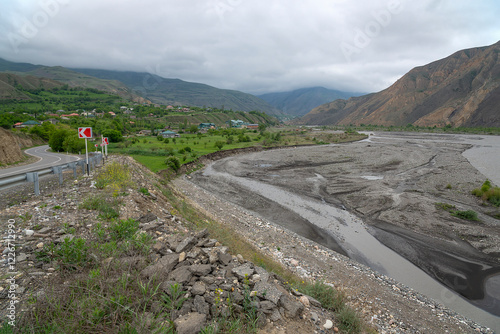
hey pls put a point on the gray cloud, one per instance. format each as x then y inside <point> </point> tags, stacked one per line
<point>257,47</point>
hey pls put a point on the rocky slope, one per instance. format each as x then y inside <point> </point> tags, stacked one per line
<point>11,145</point>
<point>461,90</point>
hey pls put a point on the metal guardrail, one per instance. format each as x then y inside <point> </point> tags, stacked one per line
<point>33,176</point>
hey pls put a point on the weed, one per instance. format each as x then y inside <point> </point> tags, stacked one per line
<point>123,229</point>
<point>143,242</point>
<point>448,186</point>
<point>115,176</point>
<point>144,191</point>
<point>349,320</point>
<point>173,299</point>
<point>444,206</point>
<point>57,207</point>
<point>468,215</point>
<point>26,217</point>
<point>71,253</point>
<point>329,297</point>
<point>108,209</point>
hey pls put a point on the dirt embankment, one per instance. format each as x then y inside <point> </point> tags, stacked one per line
<point>11,145</point>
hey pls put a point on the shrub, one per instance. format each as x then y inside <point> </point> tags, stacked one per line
<point>115,176</point>
<point>219,145</point>
<point>173,163</point>
<point>123,229</point>
<point>468,214</point>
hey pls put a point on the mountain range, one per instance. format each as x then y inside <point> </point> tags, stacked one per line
<point>300,101</point>
<point>460,90</point>
<point>135,86</point>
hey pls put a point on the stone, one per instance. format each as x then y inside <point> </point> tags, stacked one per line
<point>213,256</point>
<point>148,217</point>
<point>199,288</point>
<point>200,305</point>
<point>64,237</point>
<point>225,258</point>
<point>268,291</point>
<point>39,245</point>
<point>181,275</point>
<point>185,245</point>
<point>328,324</point>
<point>291,307</point>
<point>244,271</point>
<point>200,269</point>
<point>162,267</point>
<point>21,257</point>
<point>264,275</point>
<point>29,232</point>
<point>305,301</point>
<point>190,323</point>
<point>182,256</point>
<point>201,234</point>
<point>312,301</point>
<point>240,258</point>
<point>314,317</point>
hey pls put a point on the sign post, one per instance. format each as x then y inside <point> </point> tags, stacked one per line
<point>105,142</point>
<point>96,148</point>
<point>86,133</point>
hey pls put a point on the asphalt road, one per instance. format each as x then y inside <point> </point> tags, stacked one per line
<point>47,159</point>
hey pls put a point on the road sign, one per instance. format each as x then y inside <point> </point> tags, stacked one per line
<point>84,132</point>
<point>96,145</point>
<point>105,141</point>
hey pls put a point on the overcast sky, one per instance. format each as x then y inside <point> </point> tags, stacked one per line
<point>254,46</point>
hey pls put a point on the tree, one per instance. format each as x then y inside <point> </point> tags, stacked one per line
<point>193,129</point>
<point>114,136</point>
<point>56,140</point>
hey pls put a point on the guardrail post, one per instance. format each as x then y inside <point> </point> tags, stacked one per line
<point>72,165</point>
<point>82,163</point>
<point>33,177</point>
<point>58,170</point>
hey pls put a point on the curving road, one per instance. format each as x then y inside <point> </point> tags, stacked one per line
<point>47,159</point>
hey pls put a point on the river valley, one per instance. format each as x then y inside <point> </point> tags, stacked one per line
<point>375,202</point>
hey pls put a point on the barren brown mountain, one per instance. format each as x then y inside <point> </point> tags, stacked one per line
<point>461,90</point>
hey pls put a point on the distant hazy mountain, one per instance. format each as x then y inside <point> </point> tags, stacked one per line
<point>460,90</point>
<point>299,102</point>
<point>179,92</point>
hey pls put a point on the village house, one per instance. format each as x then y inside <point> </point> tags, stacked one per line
<point>206,126</point>
<point>169,134</point>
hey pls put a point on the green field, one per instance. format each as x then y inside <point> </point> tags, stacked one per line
<point>153,153</point>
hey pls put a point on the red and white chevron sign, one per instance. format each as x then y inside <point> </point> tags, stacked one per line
<point>105,141</point>
<point>84,132</point>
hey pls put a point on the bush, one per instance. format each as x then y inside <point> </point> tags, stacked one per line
<point>115,176</point>
<point>487,193</point>
<point>469,215</point>
<point>123,229</point>
<point>219,145</point>
<point>173,163</point>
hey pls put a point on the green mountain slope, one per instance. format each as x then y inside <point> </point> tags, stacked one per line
<point>11,85</point>
<point>179,92</point>
<point>299,102</point>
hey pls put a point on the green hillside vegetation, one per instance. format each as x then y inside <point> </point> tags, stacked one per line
<point>178,92</point>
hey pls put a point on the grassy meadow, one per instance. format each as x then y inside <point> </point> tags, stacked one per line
<point>153,152</point>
